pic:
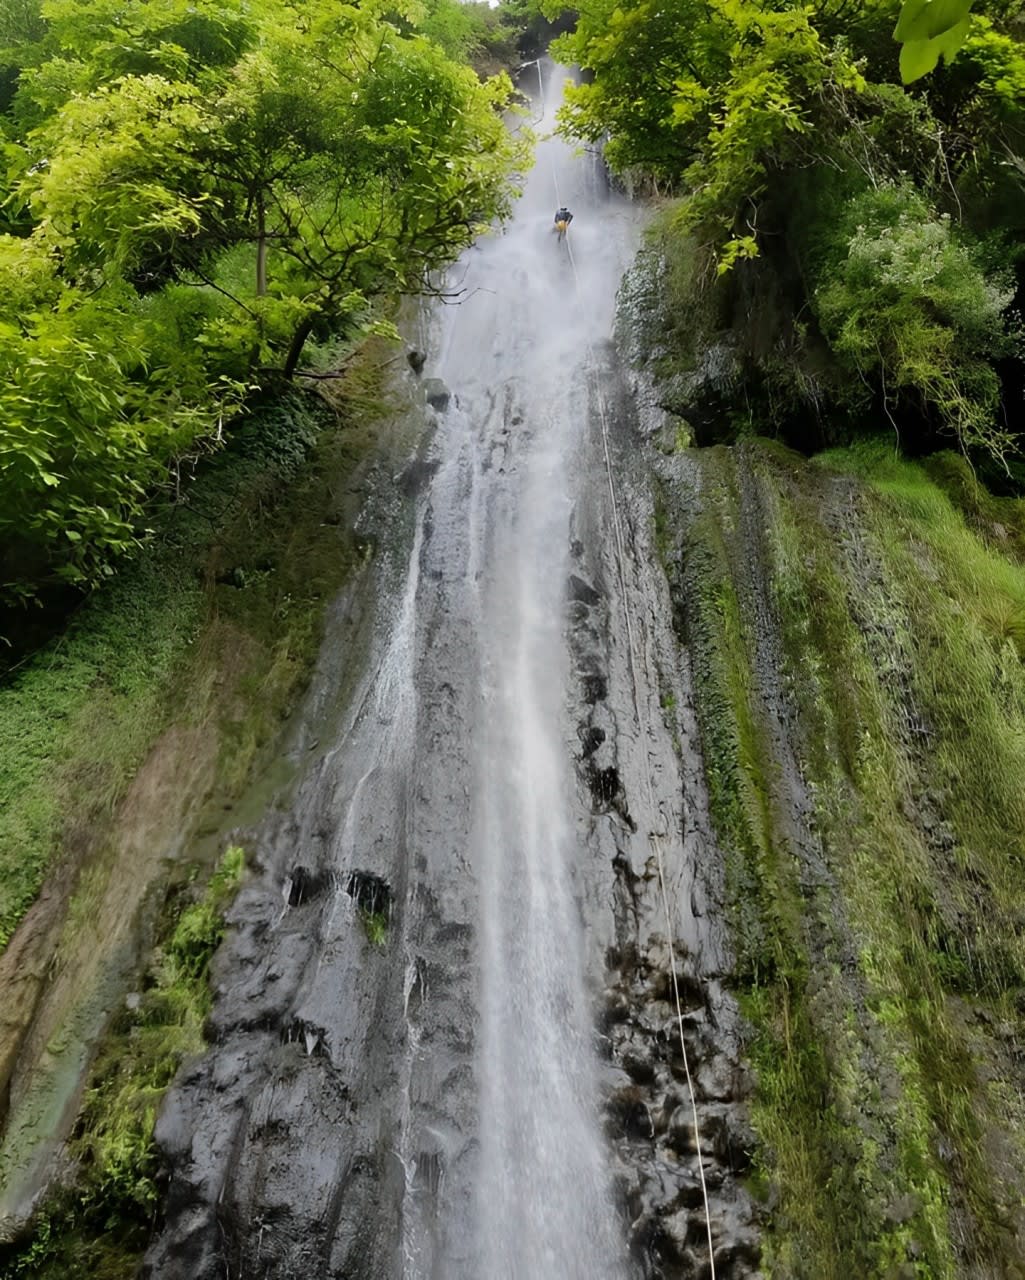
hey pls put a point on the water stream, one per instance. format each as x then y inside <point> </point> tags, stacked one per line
<point>519,352</point>
<point>429,1107</point>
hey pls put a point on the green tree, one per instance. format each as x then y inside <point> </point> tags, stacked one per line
<point>904,301</point>
<point>715,96</point>
<point>196,187</point>
<point>116,179</point>
<point>85,432</point>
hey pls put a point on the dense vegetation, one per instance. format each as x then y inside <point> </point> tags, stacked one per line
<point>180,671</point>
<point>870,809</point>
<point>191,193</point>
<point>97,1230</point>
<point>850,248</point>
<point>840,262</point>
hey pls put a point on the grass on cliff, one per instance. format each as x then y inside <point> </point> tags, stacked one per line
<point>899,596</point>
<point>215,628</point>
<point>225,603</point>
<point>97,1228</point>
<point>913,703</point>
<point>811,1151</point>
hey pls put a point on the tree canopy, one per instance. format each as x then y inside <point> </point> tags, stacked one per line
<point>192,191</point>
<point>888,218</point>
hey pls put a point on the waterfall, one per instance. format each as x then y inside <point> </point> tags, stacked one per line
<point>421,1099</point>
<point>517,354</point>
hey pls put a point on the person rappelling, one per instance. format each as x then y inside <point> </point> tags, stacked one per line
<point>563,218</point>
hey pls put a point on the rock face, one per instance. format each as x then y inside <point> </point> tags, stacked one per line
<point>639,767</point>
<point>437,394</point>
<point>445,1040</point>
<point>333,1127</point>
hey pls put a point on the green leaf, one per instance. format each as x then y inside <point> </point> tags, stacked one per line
<point>951,41</point>
<point>920,21</point>
<point>909,16</point>
<point>918,58</point>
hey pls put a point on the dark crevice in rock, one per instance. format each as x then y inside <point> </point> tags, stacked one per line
<point>628,1115</point>
<point>372,893</point>
<point>582,592</point>
<point>595,687</point>
<point>311,1038</point>
<point>607,792</point>
<point>304,885</point>
<point>413,480</point>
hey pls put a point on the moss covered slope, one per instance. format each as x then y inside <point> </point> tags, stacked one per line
<point>857,631</point>
<point>129,741</point>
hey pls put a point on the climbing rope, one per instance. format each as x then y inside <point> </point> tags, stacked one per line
<point>654,836</point>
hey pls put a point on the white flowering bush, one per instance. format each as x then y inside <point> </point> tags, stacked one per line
<point>910,308</point>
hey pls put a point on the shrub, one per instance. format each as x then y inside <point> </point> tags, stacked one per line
<point>904,301</point>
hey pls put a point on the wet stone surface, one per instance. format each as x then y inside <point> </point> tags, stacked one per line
<point>392,1101</point>
<point>638,767</point>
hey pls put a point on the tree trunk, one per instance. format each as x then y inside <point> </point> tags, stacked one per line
<point>261,249</point>
<point>295,350</point>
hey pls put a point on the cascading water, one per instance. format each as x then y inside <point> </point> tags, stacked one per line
<point>517,353</point>
<point>429,1108</point>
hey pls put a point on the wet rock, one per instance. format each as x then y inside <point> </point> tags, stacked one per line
<point>628,1113</point>
<point>715,1079</point>
<point>595,687</point>
<point>656,1242</point>
<point>307,1036</point>
<point>741,1255</point>
<point>581,592</point>
<point>617,1008</point>
<point>903,1209</point>
<point>417,360</point>
<point>416,475</point>
<point>371,892</point>
<point>638,1068</point>
<point>304,885</point>
<point>605,786</point>
<point>591,738</point>
<point>723,1136</point>
<point>437,394</point>
<point>680,1131</point>
<point>227,1070</point>
<point>172,1131</point>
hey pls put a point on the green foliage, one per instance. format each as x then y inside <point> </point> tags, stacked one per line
<point>115,187</point>
<point>78,720</point>
<point>472,31</point>
<point>195,189</point>
<point>114,1134</point>
<point>901,297</point>
<point>717,96</point>
<point>213,630</point>
<point>784,126</point>
<point>85,433</point>
<point>929,30</point>
<point>376,925</point>
<point>870,948</point>
<point>99,1225</point>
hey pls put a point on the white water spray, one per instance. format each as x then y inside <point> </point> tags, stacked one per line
<point>516,355</point>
